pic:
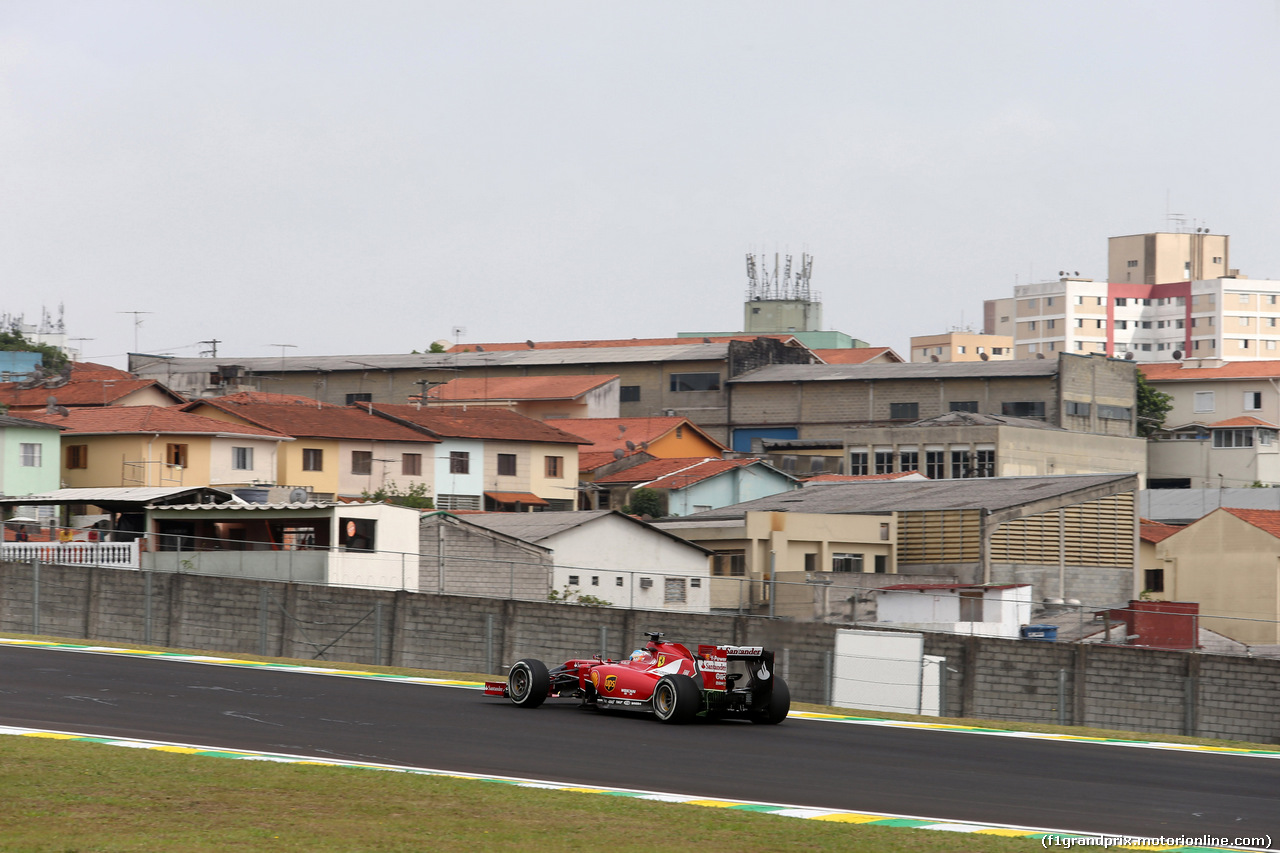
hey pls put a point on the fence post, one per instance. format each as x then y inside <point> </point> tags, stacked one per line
<point>604,641</point>
<point>377,633</point>
<point>828,675</point>
<point>146,607</point>
<point>262,620</point>
<point>1190,695</point>
<point>35,596</point>
<point>488,643</point>
<point>1062,697</point>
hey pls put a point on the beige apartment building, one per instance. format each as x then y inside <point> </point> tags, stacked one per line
<point>1170,296</point>
<point>961,346</point>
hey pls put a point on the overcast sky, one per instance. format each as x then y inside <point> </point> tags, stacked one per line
<point>364,177</point>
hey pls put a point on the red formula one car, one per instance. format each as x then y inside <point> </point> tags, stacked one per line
<point>666,679</point>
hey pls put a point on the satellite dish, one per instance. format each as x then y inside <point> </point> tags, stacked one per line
<point>631,445</point>
<point>1177,355</point>
<point>1062,272</point>
<point>298,496</point>
<point>644,445</point>
<point>1128,356</point>
<point>706,340</point>
<point>479,348</point>
<point>1039,355</point>
<point>933,358</point>
<point>530,344</point>
<point>619,453</point>
<point>984,356</point>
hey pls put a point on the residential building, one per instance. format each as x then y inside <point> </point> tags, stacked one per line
<point>961,346</point>
<point>142,446</point>
<point>858,355</point>
<point>996,610</point>
<point>1220,431</point>
<point>1169,296</point>
<point>495,459</point>
<point>960,445</point>
<point>1070,536</point>
<point>539,397</point>
<point>694,485</point>
<point>339,450</point>
<point>85,385</point>
<point>1225,561</point>
<point>613,557</point>
<point>844,550</point>
<point>660,437</point>
<point>821,401</point>
<point>29,453</point>
<point>372,545</point>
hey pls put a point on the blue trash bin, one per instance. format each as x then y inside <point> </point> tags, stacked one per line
<point>1044,633</point>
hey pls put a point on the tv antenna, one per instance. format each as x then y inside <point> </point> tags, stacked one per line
<point>137,324</point>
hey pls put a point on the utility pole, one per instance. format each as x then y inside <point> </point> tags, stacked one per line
<point>213,347</point>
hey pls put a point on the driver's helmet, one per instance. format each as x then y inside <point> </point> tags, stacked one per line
<point>639,655</point>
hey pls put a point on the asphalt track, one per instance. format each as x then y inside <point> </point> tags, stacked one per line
<point>945,775</point>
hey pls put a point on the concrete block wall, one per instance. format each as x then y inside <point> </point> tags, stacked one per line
<point>1093,586</point>
<point>1162,692</point>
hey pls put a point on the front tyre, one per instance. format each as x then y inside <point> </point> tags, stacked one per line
<point>676,699</point>
<point>779,705</point>
<point>528,683</point>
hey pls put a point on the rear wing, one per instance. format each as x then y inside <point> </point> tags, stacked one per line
<point>715,662</point>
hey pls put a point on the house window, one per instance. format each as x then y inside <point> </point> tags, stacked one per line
<point>986,463</point>
<point>673,591</point>
<point>908,460</point>
<point>1032,325</point>
<point>1114,413</point>
<point>1243,298</point>
<point>1079,409</point>
<point>78,456</point>
<point>617,582</point>
<point>904,411</point>
<point>1233,438</point>
<point>555,466</point>
<point>573,580</point>
<point>935,464</point>
<point>506,464</point>
<point>882,564</point>
<point>810,562</point>
<point>176,454</point>
<point>960,463</point>
<point>1102,324</point>
<point>965,406</point>
<point>411,464</point>
<point>629,394</point>
<point>30,454</point>
<point>242,458</point>
<point>729,564</point>
<point>1028,409</point>
<point>1153,580</point>
<point>1130,265</point>
<point>961,349</point>
<point>361,462</point>
<point>312,459</point>
<point>1252,401</point>
<point>1122,324</point>
<point>971,606</point>
<point>695,382</point>
<point>1203,400</point>
<point>884,531</point>
<point>884,461</point>
<point>858,463</point>
<point>1121,302</point>
<point>1244,321</point>
<point>459,462</point>
<point>595,580</point>
<point>846,563</point>
<point>1049,324</point>
<point>359,398</point>
<point>695,583</point>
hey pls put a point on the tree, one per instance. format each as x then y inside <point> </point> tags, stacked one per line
<point>51,358</point>
<point>1153,405</point>
<point>436,346</point>
<point>645,502</point>
<point>416,496</point>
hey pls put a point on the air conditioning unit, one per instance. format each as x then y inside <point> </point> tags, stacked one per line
<point>646,583</point>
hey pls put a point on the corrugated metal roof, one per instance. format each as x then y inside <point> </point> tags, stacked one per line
<point>246,506</point>
<point>993,493</point>
<point>123,494</point>
<point>428,361</point>
<point>1182,506</point>
<point>923,370</point>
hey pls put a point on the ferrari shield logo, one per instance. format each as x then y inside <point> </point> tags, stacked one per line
<point>610,682</point>
<point>595,678</point>
<point>662,660</point>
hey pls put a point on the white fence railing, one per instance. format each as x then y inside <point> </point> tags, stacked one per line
<point>119,555</point>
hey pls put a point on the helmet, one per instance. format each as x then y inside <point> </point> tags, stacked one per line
<point>639,654</point>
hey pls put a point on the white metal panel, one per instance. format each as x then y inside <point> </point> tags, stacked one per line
<point>878,671</point>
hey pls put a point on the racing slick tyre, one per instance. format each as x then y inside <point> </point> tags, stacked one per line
<point>676,699</point>
<point>528,683</point>
<point>779,705</point>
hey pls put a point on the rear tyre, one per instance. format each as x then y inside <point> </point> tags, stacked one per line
<point>676,699</point>
<point>779,705</point>
<point>528,683</point>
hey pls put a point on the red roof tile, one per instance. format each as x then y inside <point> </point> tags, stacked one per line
<point>526,498</point>
<point>272,399</point>
<point>144,419</point>
<point>1154,531</point>
<point>314,420</point>
<point>483,422</point>
<point>651,470</point>
<point>618,342</point>
<point>1189,371</point>
<point>89,385</point>
<point>1267,520</point>
<point>518,387</point>
<point>857,478</point>
<point>676,473</point>
<point>607,434</point>
<point>1243,421</point>
<point>856,355</point>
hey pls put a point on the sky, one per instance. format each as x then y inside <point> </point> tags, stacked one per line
<point>319,177</point>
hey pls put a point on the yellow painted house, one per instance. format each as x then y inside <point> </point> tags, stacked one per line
<point>160,446</point>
